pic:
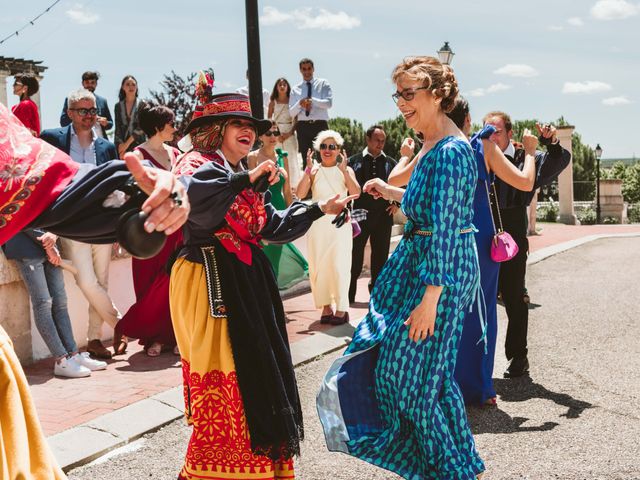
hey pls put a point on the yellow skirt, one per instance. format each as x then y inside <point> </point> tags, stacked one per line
<point>220,446</point>
<point>24,452</point>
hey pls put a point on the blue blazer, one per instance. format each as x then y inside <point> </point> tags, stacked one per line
<point>61,138</point>
<point>103,111</point>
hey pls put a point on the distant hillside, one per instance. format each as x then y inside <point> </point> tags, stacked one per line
<point>608,162</point>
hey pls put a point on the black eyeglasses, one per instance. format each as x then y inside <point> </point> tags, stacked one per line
<point>331,146</point>
<point>408,94</point>
<point>85,111</point>
<point>272,133</point>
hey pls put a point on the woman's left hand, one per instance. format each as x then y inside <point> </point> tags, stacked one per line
<point>422,321</point>
<point>335,204</point>
<point>166,213</point>
<point>342,165</point>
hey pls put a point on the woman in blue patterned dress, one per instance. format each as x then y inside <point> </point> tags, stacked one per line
<point>391,400</point>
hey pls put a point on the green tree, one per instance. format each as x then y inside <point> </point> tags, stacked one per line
<point>177,93</point>
<point>351,131</point>
<point>396,130</point>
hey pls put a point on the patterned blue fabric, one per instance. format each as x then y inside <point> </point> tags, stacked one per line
<point>474,368</point>
<point>393,402</point>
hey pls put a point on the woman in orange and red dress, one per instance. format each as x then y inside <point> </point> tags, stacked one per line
<point>240,389</point>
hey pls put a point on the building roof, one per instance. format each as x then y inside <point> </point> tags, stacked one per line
<point>20,65</point>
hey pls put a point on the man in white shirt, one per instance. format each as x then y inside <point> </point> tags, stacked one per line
<point>83,145</point>
<point>310,102</point>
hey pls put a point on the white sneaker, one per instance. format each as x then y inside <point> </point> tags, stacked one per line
<point>85,360</point>
<point>69,367</point>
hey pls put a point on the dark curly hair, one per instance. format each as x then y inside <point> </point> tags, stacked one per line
<point>153,118</point>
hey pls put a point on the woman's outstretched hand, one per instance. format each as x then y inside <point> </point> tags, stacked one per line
<point>335,204</point>
<point>377,189</point>
<point>168,205</point>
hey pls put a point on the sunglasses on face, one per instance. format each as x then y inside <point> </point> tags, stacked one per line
<point>331,146</point>
<point>272,133</point>
<point>407,94</point>
<point>18,84</point>
<point>85,111</point>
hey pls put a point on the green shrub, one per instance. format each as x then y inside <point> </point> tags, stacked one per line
<point>633,213</point>
<point>587,216</point>
<point>548,213</point>
<point>610,221</point>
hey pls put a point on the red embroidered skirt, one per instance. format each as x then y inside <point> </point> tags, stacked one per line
<point>219,447</point>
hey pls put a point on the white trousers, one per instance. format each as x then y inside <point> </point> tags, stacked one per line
<point>92,263</point>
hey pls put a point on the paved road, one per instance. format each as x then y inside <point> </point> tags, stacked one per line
<point>577,417</point>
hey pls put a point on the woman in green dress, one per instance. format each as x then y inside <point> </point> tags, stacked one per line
<point>289,265</point>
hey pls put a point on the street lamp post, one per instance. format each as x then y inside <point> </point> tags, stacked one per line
<point>598,152</point>
<point>253,56</point>
<point>445,54</point>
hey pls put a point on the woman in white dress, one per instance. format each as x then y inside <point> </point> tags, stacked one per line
<point>288,141</point>
<point>329,247</point>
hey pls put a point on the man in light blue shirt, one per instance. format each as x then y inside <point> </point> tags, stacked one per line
<point>309,103</point>
<point>80,141</point>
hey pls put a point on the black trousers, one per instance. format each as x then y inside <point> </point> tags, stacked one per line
<point>378,228</point>
<point>307,132</point>
<point>511,283</point>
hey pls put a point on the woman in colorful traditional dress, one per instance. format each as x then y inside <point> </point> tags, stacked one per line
<point>392,399</point>
<point>240,390</point>
<point>288,263</point>
<point>45,188</point>
<point>149,319</point>
<point>329,250</point>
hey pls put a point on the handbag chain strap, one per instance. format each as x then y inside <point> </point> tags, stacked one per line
<point>491,203</point>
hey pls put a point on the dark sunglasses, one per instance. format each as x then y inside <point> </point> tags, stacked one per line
<point>272,133</point>
<point>85,111</point>
<point>331,146</point>
<point>407,94</point>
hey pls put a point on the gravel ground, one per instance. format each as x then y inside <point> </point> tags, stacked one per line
<point>577,417</point>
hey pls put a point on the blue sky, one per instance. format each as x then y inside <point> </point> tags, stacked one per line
<point>578,58</point>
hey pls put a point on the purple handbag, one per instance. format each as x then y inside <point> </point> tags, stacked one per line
<point>503,246</point>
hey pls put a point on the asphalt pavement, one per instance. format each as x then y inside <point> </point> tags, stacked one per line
<point>576,417</point>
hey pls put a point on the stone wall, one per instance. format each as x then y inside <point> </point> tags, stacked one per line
<point>15,310</point>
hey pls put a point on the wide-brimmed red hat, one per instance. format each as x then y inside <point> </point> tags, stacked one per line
<point>224,106</point>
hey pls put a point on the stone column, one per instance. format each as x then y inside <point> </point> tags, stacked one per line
<point>3,86</point>
<point>565,181</point>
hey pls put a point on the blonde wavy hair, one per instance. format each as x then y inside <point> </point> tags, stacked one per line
<point>432,74</point>
<point>324,135</point>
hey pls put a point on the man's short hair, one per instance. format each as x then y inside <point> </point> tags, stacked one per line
<point>505,118</point>
<point>90,76</point>
<point>79,95</point>
<point>372,129</point>
<point>305,61</point>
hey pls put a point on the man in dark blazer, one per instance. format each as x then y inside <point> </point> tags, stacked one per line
<point>103,119</point>
<point>513,212</point>
<point>372,162</point>
<point>83,145</point>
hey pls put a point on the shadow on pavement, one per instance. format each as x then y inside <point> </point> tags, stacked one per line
<point>494,420</point>
<point>140,362</point>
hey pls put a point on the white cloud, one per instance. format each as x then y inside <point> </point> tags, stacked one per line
<point>555,28</point>
<point>589,86</point>
<point>81,15</point>
<point>517,70</point>
<point>310,18</point>
<point>614,101</point>
<point>575,21</point>
<point>614,10</point>
<point>481,92</point>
